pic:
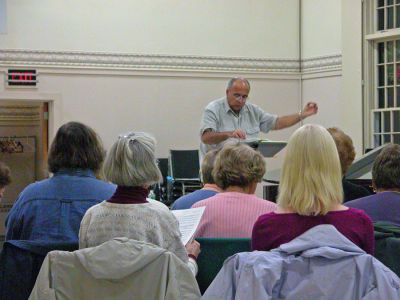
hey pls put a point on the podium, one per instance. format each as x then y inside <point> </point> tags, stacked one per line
<point>267,148</point>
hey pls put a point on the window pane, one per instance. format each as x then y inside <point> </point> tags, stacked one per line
<point>398,74</point>
<point>377,122</point>
<point>398,49</point>
<point>381,3</point>
<point>396,138</point>
<point>397,16</point>
<point>390,97</point>
<point>390,79</point>
<point>381,97</point>
<point>377,141</point>
<point>389,2</point>
<point>389,52</point>
<point>381,52</point>
<point>386,121</point>
<point>397,1</point>
<point>396,121</point>
<point>398,97</point>
<point>386,138</point>
<point>381,75</point>
<point>389,17</point>
<point>381,19</point>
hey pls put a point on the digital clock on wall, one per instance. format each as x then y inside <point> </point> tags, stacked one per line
<point>21,77</point>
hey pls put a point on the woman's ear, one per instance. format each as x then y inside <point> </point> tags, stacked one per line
<point>374,186</point>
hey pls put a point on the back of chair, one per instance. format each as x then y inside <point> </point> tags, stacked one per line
<point>214,251</point>
<point>20,263</point>
<point>184,165</point>
<point>387,245</point>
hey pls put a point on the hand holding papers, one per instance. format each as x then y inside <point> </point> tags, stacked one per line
<point>188,220</point>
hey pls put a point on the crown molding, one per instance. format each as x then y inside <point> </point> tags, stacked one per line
<point>322,64</point>
<point>75,59</point>
<point>175,63</point>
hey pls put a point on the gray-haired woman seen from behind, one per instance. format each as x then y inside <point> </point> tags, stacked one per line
<point>132,166</point>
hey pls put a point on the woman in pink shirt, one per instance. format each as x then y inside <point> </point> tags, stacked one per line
<point>232,213</point>
<point>310,194</point>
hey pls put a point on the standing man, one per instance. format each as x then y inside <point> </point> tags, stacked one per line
<point>233,117</point>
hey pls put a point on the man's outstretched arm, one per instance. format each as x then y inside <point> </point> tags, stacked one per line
<point>310,109</point>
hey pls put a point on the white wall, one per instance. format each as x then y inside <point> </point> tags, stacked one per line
<point>170,107</point>
<point>320,28</point>
<point>252,28</point>
<point>169,104</point>
<point>352,71</point>
<point>333,28</point>
<point>113,100</point>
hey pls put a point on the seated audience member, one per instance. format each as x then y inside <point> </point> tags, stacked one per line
<point>209,189</point>
<point>385,204</point>
<point>237,170</point>
<point>5,178</point>
<point>346,151</point>
<point>132,166</point>
<point>52,209</point>
<point>310,194</point>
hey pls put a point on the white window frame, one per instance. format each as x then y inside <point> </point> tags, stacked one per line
<point>371,38</point>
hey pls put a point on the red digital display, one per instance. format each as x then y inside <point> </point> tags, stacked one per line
<point>22,77</point>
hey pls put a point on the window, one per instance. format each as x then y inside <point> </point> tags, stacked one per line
<point>383,61</point>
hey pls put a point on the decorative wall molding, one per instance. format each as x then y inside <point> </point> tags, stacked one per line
<point>116,61</point>
<point>322,63</point>
<point>144,62</point>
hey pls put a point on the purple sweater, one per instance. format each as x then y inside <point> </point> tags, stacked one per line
<point>384,206</point>
<point>272,230</point>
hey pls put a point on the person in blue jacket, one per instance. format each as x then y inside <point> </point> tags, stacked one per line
<point>51,210</point>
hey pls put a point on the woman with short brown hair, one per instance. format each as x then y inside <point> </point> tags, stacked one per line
<point>52,209</point>
<point>346,152</point>
<point>237,170</point>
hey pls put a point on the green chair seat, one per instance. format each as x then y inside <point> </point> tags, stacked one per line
<point>214,251</point>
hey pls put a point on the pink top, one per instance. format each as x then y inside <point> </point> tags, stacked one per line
<point>272,230</point>
<point>231,214</point>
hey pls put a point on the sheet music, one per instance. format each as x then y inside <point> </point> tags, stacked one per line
<point>189,220</point>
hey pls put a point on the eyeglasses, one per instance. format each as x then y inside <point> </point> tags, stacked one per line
<point>240,97</point>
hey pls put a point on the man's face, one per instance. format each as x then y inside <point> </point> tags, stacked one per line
<point>237,95</point>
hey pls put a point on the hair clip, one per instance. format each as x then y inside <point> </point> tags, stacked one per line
<point>130,136</point>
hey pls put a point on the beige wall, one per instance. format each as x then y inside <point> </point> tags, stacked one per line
<point>170,107</point>
<point>320,27</point>
<point>160,101</point>
<point>238,28</point>
<point>333,27</point>
<point>352,72</point>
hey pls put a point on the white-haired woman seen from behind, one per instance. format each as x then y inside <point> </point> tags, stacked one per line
<point>310,194</point>
<point>132,166</point>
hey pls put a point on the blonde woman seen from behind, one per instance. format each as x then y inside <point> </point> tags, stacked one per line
<point>310,194</point>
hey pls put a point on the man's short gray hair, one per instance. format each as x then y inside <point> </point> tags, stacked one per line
<point>234,79</point>
<point>131,161</point>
